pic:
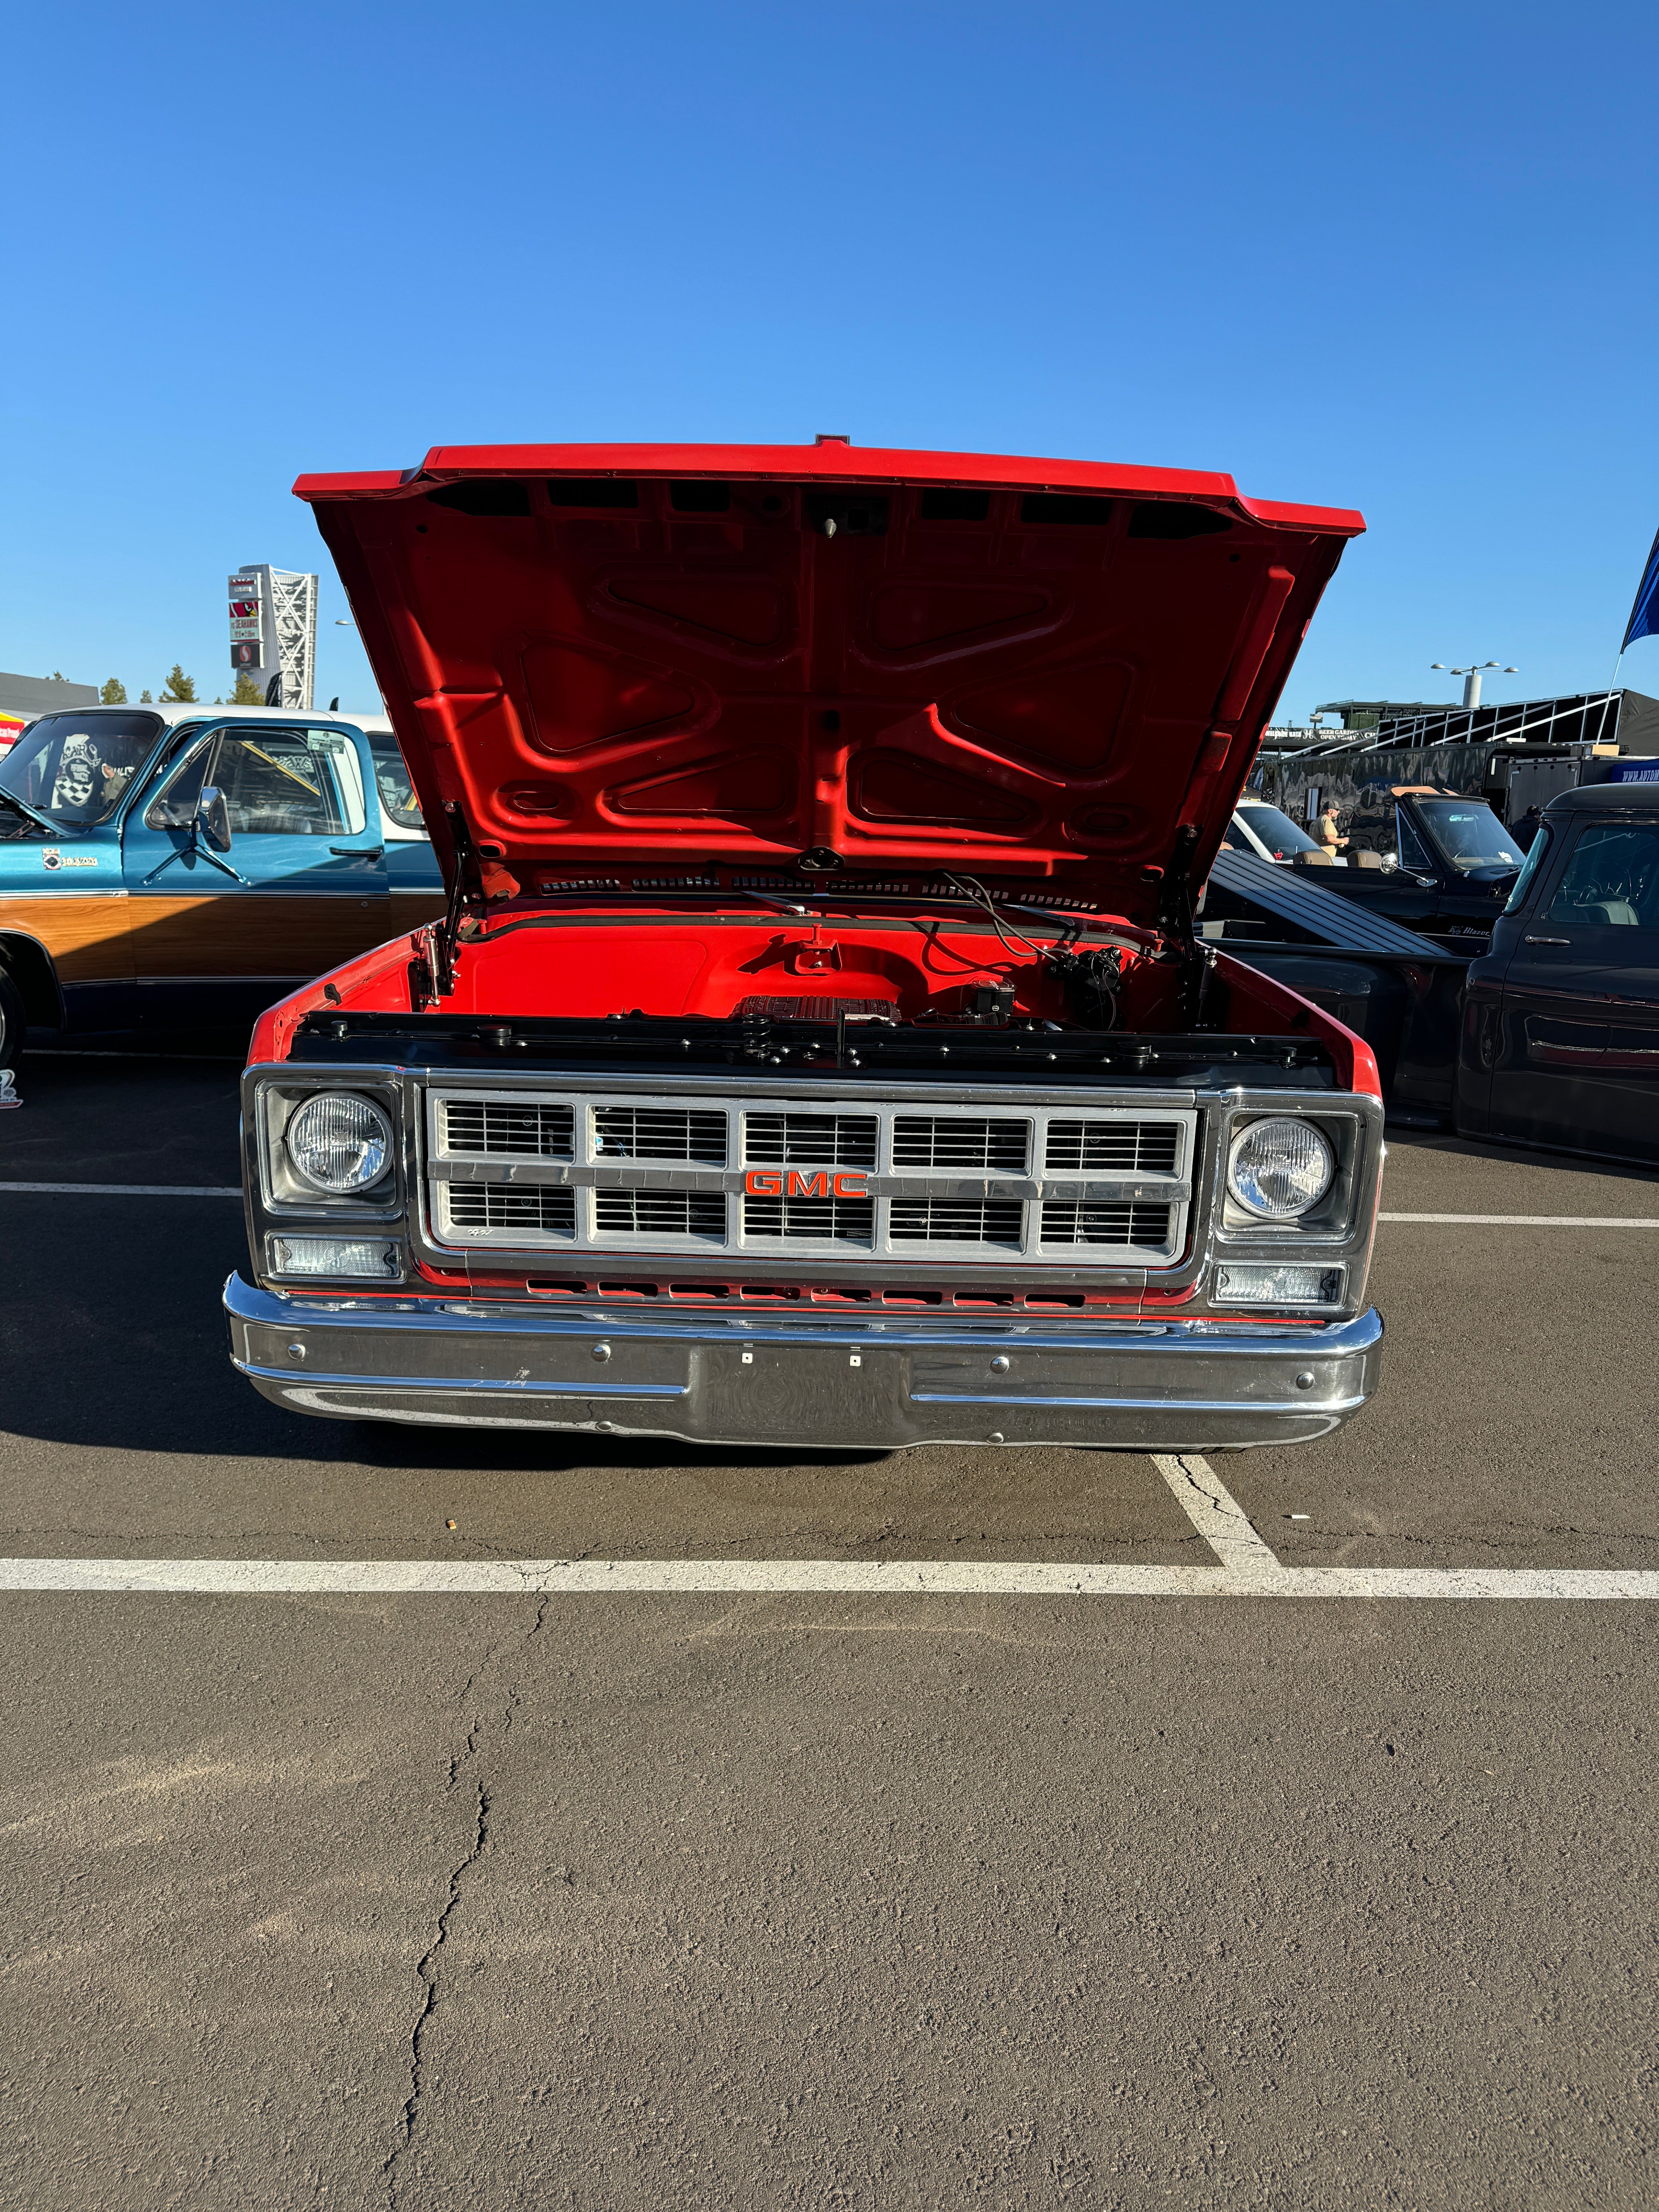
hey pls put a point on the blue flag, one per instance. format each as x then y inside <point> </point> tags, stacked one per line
<point>1645,615</point>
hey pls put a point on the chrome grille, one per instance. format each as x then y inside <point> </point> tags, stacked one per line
<point>832,1140</point>
<point>527,1129</point>
<point>947,1221</point>
<point>811,1220</point>
<point>1112,1147</point>
<point>660,1213</point>
<point>498,1206</point>
<point>952,1140</point>
<point>1105,1225</point>
<point>763,1165</point>
<point>659,1133</point>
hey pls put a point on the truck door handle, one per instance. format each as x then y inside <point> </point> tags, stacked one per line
<point>1549,940</point>
<point>358,852</point>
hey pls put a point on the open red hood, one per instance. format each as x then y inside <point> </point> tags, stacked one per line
<point>624,661</point>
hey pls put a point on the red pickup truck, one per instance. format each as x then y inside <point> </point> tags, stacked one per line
<point>818,1049</point>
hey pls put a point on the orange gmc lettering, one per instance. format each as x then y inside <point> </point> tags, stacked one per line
<point>815,1184</point>
<point>763,1182</point>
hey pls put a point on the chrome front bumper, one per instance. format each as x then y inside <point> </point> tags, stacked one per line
<point>803,1384</point>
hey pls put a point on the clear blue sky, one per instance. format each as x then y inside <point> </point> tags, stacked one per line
<point>1399,258</point>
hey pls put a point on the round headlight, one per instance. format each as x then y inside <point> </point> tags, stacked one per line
<point>1280,1168</point>
<point>338,1143</point>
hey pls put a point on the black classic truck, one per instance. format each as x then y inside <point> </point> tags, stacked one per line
<point>1560,1043</point>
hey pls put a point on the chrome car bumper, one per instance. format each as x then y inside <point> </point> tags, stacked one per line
<point>803,1384</point>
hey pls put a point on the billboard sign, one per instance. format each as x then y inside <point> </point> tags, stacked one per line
<point>246,623</point>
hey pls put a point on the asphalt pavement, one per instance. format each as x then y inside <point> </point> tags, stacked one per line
<point>861,1901</point>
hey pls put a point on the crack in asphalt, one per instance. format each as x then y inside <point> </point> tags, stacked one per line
<point>463,1765</point>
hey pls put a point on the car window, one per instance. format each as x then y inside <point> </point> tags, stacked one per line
<point>1469,833</point>
<point>1413,853</point>
<point>276,782</point>
<point>1612,878</point>
<point>1277,831</point>
<point>76,767</point>
<point>1543,838</point>
<point>391,780</point>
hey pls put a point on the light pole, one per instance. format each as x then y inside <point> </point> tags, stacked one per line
<point>1472,676</point>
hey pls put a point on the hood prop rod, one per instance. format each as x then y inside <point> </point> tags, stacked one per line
<point>466,894</point>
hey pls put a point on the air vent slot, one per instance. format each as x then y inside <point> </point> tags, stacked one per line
<point>1113,1224</point>
<point>948,1221</point>
<point>659,1133</point>
<point>1112,1147</point>
<point>818,1141</point>
<point>810,1220</point>
<point>495,1205</point>
<point>949,1141</point>
<point>660,1213</point>
<point>525,1130</point>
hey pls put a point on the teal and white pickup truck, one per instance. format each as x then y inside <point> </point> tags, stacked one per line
<point>180,866</point>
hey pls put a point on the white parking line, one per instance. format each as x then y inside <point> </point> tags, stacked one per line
<point>1248,1569</point>
<point>800,1578</point>
<point>1537,1220</point>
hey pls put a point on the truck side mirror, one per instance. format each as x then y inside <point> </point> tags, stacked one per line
<point>213,819</point>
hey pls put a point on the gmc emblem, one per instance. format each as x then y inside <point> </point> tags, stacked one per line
<point>804,1183</point>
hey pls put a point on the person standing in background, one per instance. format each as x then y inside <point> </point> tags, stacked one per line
<point>1326,829</point>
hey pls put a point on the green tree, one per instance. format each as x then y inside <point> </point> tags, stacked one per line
<point>114,693</point>
<point>144,699</point>
<point>56,675</point>
<point>178,685</point>
<point>248,692</point>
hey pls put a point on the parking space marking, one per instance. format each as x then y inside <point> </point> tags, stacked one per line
<point>1536,1220</point>
<point>801,1578</point>
<point>1246,1568</point>
<point>132,1190</point>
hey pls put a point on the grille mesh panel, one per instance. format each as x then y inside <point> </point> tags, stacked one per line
<point>819,1140</point>
<point>659,1133</point>
<point>541,1212</point>
<point>1113,1147</point>
<point>529,1130</point>
<point>992,1147</point>
<point>947,1220</point>
<point>1117,1224</point>
<point>660,1213</point>
<point>837,1220</point>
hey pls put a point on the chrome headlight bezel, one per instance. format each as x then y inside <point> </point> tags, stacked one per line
<point>283,1191</point>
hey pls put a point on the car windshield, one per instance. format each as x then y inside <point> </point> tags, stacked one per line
<point>1277,831</point>
<point>1469,833</point>
<point>76,769</point>
<point>391,780</point>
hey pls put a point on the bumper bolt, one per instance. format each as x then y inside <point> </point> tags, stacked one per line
<point>296,1351</point>
<point>1304,1381</point>
<point>1000,1364</point>
<point>603,1352</point>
